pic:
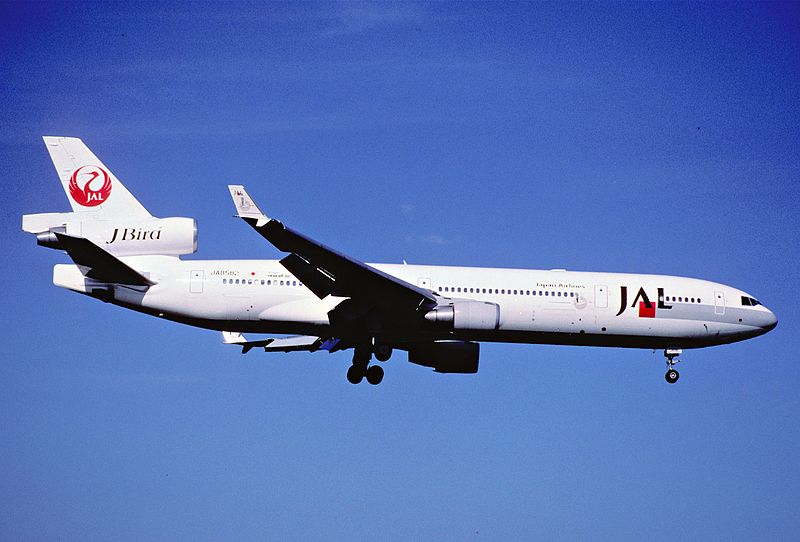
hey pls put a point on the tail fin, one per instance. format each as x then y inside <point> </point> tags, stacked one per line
<point>90,185</point>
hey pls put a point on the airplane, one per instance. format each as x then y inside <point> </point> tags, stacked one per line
<point>328,301</point>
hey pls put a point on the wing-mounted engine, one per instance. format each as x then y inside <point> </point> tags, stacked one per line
<point>173,236</point>
<point>446,356</point>
<point>466,314</point>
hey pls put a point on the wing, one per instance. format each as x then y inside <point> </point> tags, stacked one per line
<point>326,271</point>
<point>96,263</point>
<point>304,343</point>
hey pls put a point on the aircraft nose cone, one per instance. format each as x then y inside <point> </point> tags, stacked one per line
<point>771,322</point>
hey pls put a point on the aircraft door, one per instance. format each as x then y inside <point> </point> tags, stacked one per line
<point>719,303</point>
<point>601,296</point>
<point>196,282</point>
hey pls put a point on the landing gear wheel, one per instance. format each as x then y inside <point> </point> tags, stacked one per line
<point>355,374</point>
<point>383,352</point>
<point>375,375</point>
<point>672,353</point>
<point>672,376</point>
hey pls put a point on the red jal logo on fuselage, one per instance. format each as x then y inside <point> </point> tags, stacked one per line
<point>80,186</point>
<point>647,309</point>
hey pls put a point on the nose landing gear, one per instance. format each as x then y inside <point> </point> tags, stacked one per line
<point>672,375</point>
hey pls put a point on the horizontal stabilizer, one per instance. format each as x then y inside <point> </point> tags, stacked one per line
<point>98,264</point>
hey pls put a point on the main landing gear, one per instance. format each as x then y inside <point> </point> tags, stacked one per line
<point>361,368</point>
<point>672,375</point>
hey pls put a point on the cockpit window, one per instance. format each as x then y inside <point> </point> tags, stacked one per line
<point>749,301</point>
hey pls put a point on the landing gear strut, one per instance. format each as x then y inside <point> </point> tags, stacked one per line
<point>361,368</point>
<point>672,375</point>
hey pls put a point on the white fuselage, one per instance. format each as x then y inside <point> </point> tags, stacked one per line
<point>536,306</point>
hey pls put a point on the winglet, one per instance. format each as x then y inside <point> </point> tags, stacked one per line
<point>245,206</point>
<point>233,337</point>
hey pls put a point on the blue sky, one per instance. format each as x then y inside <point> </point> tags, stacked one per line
<point>653,138</point>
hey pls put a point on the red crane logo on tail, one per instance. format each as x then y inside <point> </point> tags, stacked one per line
<point>80,186</point>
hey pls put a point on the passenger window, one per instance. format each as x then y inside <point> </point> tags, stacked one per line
<point>262,282</point>
<point>546,293</point>
<point>484,290</point>
<point>692,300</point>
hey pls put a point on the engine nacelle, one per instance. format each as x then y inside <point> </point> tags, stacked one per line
<point>446,356</point>
<point>467,314</point>
<point>165,236</point>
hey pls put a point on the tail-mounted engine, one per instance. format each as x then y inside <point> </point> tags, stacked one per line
<point>164,236</point>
